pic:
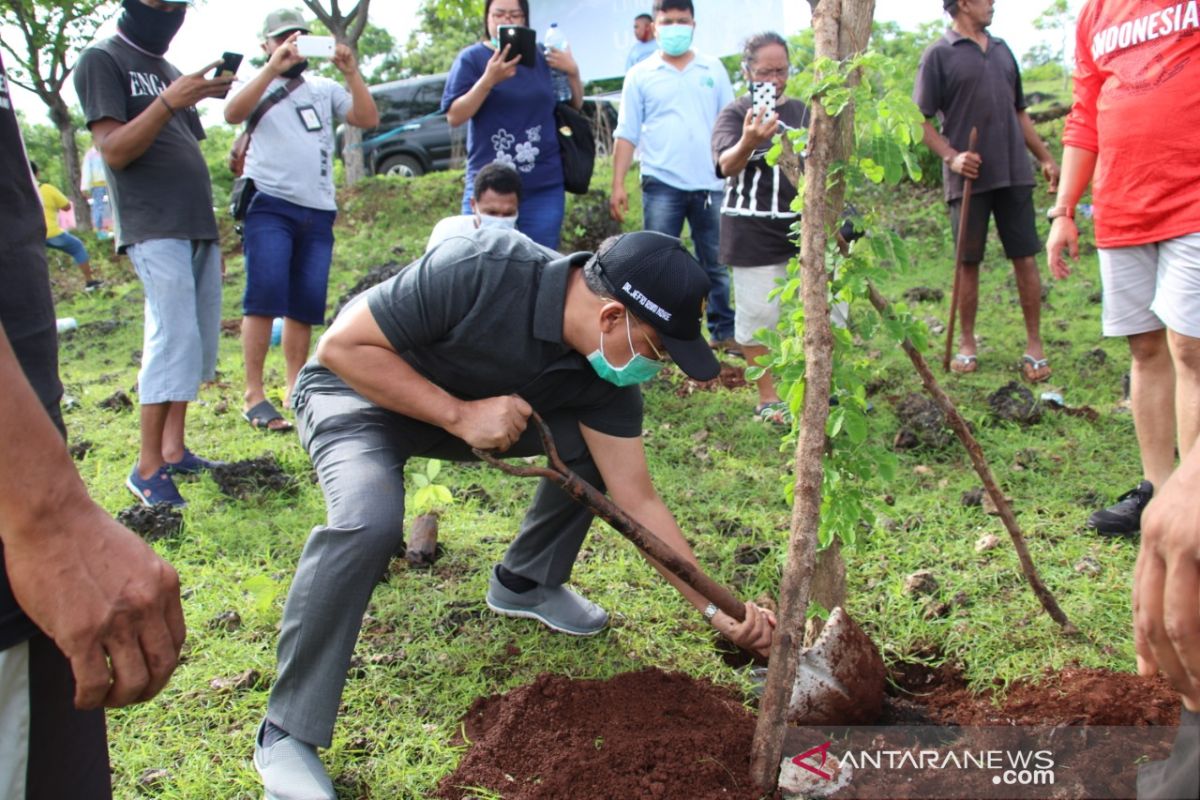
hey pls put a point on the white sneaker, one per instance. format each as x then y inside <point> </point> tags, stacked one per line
<point>291,770</point>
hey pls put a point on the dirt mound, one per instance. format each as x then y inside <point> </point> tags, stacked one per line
<point>160,521</point>
<point>644,734</point>
<point>922,424</point>
<point>664,736</point>
<point>1015,403</point>
<point>252,477</point>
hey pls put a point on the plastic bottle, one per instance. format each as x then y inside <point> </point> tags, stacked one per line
<point>66,324</point>
<point>277,331</point>
<point>557,40</point>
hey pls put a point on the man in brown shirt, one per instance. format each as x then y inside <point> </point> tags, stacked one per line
<point>969,79</point>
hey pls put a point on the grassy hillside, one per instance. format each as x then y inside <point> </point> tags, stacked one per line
<point>429,645</point>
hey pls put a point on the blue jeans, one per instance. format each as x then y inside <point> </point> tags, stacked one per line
<point>69,245</point>
<point>664,209</point>
<point>540,215</point>
<point>101,211</point>
<point>288,251</point>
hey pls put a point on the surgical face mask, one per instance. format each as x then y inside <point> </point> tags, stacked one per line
<point>489,221</point>
<point>638,369</point>
<point>675,40</point>
<point>149,28</point>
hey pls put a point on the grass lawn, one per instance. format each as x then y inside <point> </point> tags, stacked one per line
<point>429,646</point>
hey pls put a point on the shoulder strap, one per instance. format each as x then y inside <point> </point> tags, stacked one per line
<point>270,102</point>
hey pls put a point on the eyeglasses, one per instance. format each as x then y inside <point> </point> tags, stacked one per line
<point>768,74</point>
<point>507,16</point>
<point>658,354</point>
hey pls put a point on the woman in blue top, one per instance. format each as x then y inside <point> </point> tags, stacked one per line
<point>509,111</point>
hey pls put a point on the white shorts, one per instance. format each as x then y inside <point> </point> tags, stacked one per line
<point>1151,286</point>
<point>752,309</point>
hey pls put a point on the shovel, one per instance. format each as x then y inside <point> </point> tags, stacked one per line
<point>840,678</point>
<point>959,249</point>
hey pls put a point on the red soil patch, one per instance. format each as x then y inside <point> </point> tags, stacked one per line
<point>656,736</point>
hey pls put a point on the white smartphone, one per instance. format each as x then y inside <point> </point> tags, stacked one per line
<point>315,46</point>
<point>763,95</point>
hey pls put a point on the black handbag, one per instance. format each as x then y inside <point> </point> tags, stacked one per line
<point>576,146</point>
<point>239,199</point>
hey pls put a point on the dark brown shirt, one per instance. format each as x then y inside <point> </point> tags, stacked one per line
<point>964,86</point>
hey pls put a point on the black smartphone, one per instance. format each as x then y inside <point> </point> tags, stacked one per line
<point>521,41</point>
<point>229,64</point>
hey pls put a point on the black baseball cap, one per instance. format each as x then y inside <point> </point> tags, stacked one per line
<point>661,284</point>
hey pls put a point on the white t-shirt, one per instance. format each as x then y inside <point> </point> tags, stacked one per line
<point>292,150</point>
<point>462,225</point>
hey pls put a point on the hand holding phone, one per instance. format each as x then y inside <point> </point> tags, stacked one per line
<point>521,42</point>
<point>228,66</point>
<point>315,46</point>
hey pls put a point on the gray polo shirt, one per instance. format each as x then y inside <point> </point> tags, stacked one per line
<point>481,316</point>
<point>964,86</point>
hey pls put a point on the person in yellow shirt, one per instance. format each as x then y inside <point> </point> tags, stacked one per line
<point>54,201</point>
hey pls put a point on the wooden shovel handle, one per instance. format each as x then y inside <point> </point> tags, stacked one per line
<point>653,547</point>
<point>958,254</point>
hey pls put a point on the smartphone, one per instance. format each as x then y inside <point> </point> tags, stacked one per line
<point>229,64</point>
<point>521,41</point>
<point>315,46</point>
<point>763,95</point>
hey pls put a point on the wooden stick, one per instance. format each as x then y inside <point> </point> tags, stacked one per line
<point>958,254</point>
<point>955,420</point>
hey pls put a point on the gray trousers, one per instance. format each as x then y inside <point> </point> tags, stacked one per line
<point>359,451</point>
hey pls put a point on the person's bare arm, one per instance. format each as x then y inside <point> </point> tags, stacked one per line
<point>104,597</point>
<point>241,105</point>
<point>498,69</point>
<point>362,113</point>
<point>622,465</point>
<point>1040,152</point>
<point>757,130</point>
<point>1077,168</point>
<point>122,143</point>
<point>618,204</point>
<point>1166,583</point>
<point>965,163</point>
<point>357,351</point>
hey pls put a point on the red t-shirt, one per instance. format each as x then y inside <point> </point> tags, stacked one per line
<point>1137,104</point>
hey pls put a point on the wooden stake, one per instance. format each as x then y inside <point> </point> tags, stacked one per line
<point>958,254</point>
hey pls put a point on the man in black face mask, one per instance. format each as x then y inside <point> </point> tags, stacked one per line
<point>141,112</point>
<point>289,224</point>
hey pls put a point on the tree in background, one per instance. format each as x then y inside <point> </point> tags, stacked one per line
<point>347,28</point>
<point>53,33</point>
<point>1056,18</point>
<point>445,27</point>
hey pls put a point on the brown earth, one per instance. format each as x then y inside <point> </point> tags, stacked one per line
<point>662,736</point>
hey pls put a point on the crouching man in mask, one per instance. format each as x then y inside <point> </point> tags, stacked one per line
<point>456,352</point>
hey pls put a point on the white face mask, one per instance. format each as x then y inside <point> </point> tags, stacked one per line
<point>488,221</point>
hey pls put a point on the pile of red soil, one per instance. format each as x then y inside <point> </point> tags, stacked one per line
<point>644,734</point>
<point>656,736</point>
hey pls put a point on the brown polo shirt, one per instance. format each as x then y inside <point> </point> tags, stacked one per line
<point>964,86</point>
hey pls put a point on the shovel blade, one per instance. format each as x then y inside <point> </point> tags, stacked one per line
<point>841,678</point>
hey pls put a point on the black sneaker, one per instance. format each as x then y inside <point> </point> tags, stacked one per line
<point>1124,518</point>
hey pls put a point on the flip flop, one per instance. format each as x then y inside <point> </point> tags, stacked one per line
<point>1030,367</point>
<point>262,415</point>
<point>962,363</point>
<point>776,413</point>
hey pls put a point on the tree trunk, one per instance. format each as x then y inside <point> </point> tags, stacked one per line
<point>829,139</point>
<point>352,155</point>
<point>61,117</point>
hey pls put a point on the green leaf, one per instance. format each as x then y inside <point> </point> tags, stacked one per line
<point>442,495</point>
<point>856,424</point>
<point>420,480</point>
<point>432,468</point>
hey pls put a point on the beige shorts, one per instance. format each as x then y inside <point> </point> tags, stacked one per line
<point>752,309</point>
<point>1151,286</point>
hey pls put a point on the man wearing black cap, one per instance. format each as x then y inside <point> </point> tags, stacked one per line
<point>455,352</point>
<point>970,79</point>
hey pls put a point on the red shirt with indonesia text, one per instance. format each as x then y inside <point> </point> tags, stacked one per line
<point>1137,104</point>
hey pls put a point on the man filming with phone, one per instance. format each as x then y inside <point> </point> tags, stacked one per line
<point>289,223</point>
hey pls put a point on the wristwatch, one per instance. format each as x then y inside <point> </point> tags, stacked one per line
<point>1061,211</point>
<point>710,611</point>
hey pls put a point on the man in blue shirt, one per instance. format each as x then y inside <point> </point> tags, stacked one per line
<point>669,104</point>
<point>646,44</point>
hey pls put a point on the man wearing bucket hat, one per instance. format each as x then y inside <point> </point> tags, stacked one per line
<point>141,112</point>
<point>289,223</point>
<point>455,353</point>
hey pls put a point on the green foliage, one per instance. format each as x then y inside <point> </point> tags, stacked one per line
<point>215,147</point>
<point>50,33</point>
<point>429,496</point>
<point>44,146</point>
<point>445,27</point>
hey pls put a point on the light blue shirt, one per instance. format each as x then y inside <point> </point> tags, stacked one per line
<point>639,52</point>
<point>668,114</point>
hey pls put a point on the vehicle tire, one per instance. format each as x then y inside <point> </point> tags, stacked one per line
<point>405,166</point>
